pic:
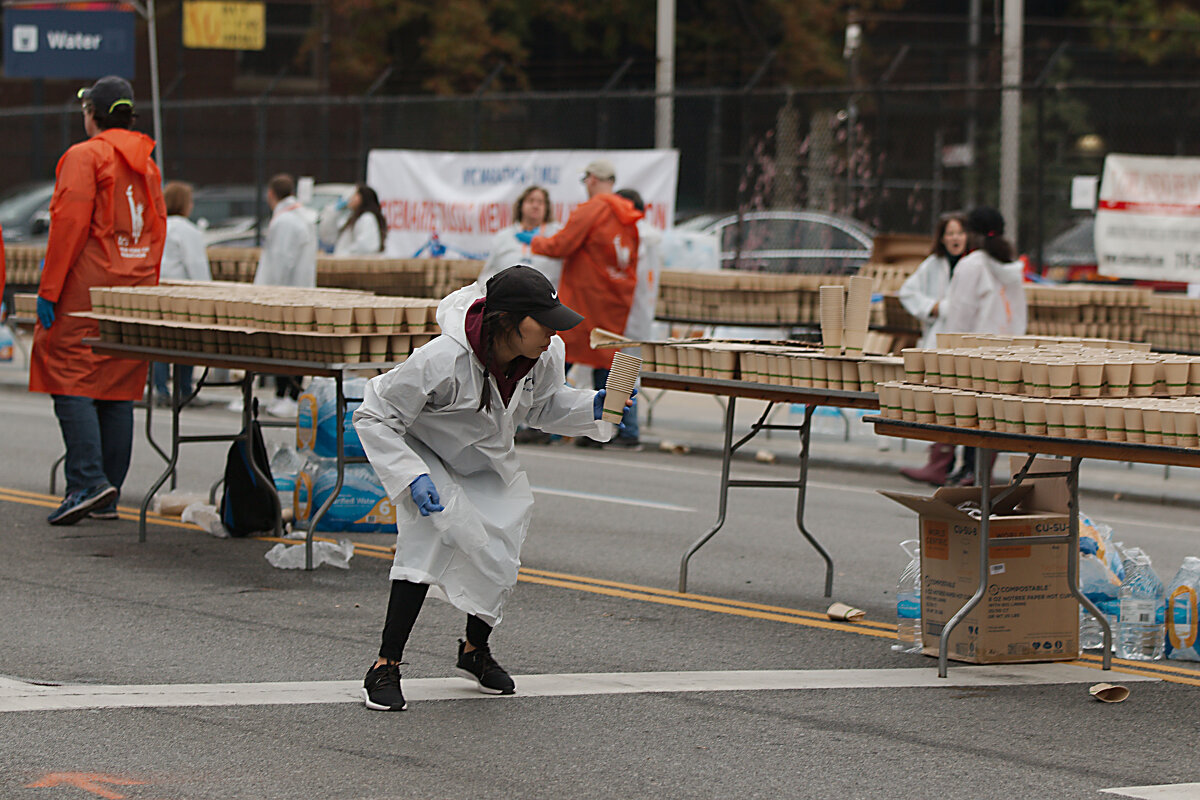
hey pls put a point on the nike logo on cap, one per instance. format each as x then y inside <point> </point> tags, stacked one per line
<point>554,295</point>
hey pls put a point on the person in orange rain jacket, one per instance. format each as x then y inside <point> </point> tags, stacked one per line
<point>598,246</point>
<point>108,225</point>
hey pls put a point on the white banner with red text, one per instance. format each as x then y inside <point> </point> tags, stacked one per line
<point>452,204</point>
<point>1148,218</point>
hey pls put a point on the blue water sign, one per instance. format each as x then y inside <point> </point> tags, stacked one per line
<point>42,43</point>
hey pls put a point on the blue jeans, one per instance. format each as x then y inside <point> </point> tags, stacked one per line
<point>99,439</point>
<point>183,374</point>
<point>630,418</point>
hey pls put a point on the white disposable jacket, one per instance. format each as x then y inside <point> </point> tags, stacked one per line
<point>184,256</point>
<point>363,238</point>
<point>922,290</point>
<point>645,294</point>
<point>423,417</point>
<point>506,251</point>
<point>986,296</point>
<point>289,255</point>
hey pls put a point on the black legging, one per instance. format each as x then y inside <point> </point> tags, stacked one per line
<point>403,606</point>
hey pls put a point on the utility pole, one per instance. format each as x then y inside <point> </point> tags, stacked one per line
<point>664,76</point>
<point>1010,115</point>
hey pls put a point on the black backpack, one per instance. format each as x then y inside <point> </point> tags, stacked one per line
<point>247,505</point>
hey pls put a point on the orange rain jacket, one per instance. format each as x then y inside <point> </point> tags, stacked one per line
<point>598,246</point>
<point>108,224</point>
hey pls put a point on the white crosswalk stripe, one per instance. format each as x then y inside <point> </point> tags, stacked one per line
<point>1174,791</point>
<point>23,696</point>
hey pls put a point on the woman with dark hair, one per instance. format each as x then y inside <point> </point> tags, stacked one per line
<point>438,429</point>
<point>924,296</point>
<point>985,295</point>
<point>531,212</point>
<point>362,234</point>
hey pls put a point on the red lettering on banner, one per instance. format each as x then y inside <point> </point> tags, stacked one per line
<point>428,215</point>
<point>1164,209</point>
<point>494,216</point>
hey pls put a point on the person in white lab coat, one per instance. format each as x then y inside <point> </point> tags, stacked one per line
<point>985,295</point>
<point>923,295</point>
<point>438,430</point>
<point>184,259</point>
<point>289,258</point>
<point>533,213</point>
<point>363,232</point>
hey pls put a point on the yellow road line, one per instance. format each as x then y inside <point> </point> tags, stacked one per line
<point>649,594</point>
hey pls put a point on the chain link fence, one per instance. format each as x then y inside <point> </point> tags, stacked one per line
<point>891,156</point>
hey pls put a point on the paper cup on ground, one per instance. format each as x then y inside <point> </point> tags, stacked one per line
<point>965,410</point>
<point>1093,417</point>
<point>845,612</point>
<point>1108,692</point>
<point>621,380</point>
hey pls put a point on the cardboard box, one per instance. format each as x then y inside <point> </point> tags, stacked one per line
<point>1028,612</point>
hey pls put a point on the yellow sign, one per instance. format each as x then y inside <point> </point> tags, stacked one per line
<point>224,26</point>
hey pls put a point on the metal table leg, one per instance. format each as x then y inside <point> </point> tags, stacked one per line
<point>722,497</point>
<point>983,468</point>
<point>171,461</point>
<point>800,485</point>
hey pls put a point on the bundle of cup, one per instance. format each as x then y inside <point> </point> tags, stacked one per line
<point>621,379</point>
<point>857,314</point>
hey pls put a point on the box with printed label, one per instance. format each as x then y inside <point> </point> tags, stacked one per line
<point>1027,612</point>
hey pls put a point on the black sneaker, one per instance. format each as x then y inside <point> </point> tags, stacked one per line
<point>381,689</point>
<point>627,442</point>
<point>479,666</point>
<point>78,503</point>
<point>583,441</point>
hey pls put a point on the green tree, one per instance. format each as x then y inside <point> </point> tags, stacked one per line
<point>1150,30</point>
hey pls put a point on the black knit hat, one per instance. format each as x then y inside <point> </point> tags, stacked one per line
<point>986,221</point>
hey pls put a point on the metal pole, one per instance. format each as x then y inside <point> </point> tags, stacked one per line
<point>155,99</point>
<point>1010,116</point>
<point>972,193</point>
<point>664,77</point>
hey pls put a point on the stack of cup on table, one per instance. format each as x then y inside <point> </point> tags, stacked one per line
<point>619,386</point>
<point>857,314</point>
<point>833,317</point>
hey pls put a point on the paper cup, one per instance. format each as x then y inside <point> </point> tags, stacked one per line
<point>1166,421</point>
<point>1093,416</point>
<point>1152,425</point>
<point>914,364</point>
<point>991,375</point>
<point>1061,379</point>
<point>1114,423</point>
<point>1144,377</point>
<point>933,373</point>
<point>1108,692</point>
<point>1014,415</point>
<point>1091,378</point>
<point>845,612</point>
<point>1185,427</point>
<point>908,403</point>
<point>1074,424</point>
<point>1054,417</point>
<point>943,407</point>
<point>965,410</point>
<point>1009,375</point>
<point>985,412</point>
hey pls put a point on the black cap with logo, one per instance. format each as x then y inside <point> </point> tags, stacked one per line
<point>108,94</point>
<point>524,290</point>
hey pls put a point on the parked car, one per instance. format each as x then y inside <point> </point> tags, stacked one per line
<point>787,241</point>
<point>25,212</point>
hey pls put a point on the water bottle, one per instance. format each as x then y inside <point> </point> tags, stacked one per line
<point>908,601</point>
<point>1182,608</point>
<point>1143,607</point>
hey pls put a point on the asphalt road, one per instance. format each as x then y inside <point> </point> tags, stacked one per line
<point>88,606</point>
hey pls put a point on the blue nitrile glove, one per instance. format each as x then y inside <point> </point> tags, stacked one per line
<point>45,312</point>
<point>425,495</point>
<point>598,403</point>
<point>341,204</point>
<point>3,310</point>
<point>525,237</point>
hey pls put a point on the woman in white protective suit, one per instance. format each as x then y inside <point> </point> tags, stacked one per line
<point>924,296</point>
<point>438,429</point>
<point>985,295</point>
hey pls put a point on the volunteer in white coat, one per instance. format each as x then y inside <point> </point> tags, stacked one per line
<point>363,232</point>
<point>986,295</point>
<point>438,429</point>
<point>924,296</point>
<point>184,259</point>
<point>533,213</point>
<point>289,258</point>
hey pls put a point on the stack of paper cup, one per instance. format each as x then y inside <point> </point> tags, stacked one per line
<point>833,310</point>
<point>618,388</point>
<point>858,314</point>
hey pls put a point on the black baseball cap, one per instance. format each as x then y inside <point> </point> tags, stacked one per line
<point>108,94</point>
<point>524,290</point>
